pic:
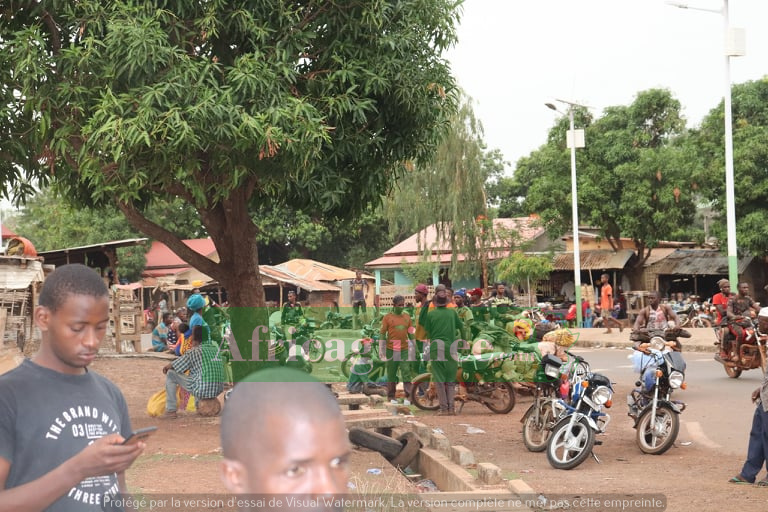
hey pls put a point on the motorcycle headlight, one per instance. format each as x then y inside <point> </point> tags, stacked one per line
<point>601,395</point>
<point>657,343</point>
<point>551,370</point>
<point>676,379</point>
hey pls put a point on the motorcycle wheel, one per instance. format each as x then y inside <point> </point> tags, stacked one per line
<point>700,322</point>
<point>656,437</point>
<point>536,431</point>
<point>428,400</point>
<point>316,350</point>
<point>502,396</point>
<point>732,371</point>
<point>567,448</point>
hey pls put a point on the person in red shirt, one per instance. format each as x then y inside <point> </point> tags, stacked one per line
<point>398,330</point>
<point>720,302</point>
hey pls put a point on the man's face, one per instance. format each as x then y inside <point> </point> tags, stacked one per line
<point>299,456</point>
<point>726,289</point>
<point>500,289</point>
<point>743,289</point>
<point>653,300</point>
<point>419,296</point>
<point>291,298</point>
<point>458,300</point>
<point>398,308</point>
<point>603,279</point>
<point>75,331</point>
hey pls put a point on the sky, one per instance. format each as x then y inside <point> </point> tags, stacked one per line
<point>513,56</point>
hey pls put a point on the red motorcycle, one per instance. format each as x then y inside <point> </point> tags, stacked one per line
<point>751,353</point>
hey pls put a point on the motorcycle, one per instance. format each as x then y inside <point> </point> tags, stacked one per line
<point>305,337</point>
<point>656,416</point>
<point>751,351</point>
<point>693,316</point>
<point>334,320</point>
<point>479,375</point>
<point>367,354</point>
<point>573,436</point>
<point>554,381</point>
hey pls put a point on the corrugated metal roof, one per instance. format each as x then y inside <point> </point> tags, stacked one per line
<point>526,227</point>
<point>701,262</point>
<point>318,271</point>
<point>19,273</point>
<point>283,276</point>
<point>594,260</point>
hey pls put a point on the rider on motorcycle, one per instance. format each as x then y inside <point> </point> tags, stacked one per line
<point>720,302</point>
<point>655,316</point>
<point>741,309</point>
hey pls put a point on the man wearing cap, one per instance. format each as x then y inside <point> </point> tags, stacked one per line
<point>464,312</point>
<point>720,301</point>
<point>757,450</point>
<point>397,329</point>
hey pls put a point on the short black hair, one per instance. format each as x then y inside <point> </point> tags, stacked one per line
<point>282,391</point>
<point>71,279</point>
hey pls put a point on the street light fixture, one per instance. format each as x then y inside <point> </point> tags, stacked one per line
<point>574,139</point>
<point>734,47</point>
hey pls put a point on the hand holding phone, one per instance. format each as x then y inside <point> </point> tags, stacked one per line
<point>140,435</point>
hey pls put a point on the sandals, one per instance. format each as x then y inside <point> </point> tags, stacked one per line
<point>738,479</point>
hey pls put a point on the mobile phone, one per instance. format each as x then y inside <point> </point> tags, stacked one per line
<point>140,435</point>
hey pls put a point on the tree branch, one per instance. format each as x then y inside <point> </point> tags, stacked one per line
<point>195,259</point>
<point>55,37</point>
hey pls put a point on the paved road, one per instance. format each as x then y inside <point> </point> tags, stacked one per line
<point>719,411</point>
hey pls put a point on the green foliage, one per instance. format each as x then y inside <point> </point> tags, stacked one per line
<point>634,178</point>
<point>225,105</point>
<point>520,269</point>
<point>449,191</point>
<point>750,156</point>
<point>420,272</point>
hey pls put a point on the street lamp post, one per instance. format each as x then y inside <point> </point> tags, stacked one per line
<point>574,139</point>
<point>734,47</point>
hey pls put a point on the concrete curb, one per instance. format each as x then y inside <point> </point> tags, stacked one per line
<point>701,340</point>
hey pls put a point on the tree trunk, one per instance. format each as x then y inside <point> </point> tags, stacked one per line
<point>234,235</point>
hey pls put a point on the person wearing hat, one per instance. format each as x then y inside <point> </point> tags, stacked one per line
<point>464,312</point>
<point>442,325</point>
<point>757,450</point>
<point>397,330</point>
<point>720,302</point>
<point>196,303</point>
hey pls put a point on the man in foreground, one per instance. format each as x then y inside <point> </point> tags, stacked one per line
<point>61,425</point>
<point>282,434</point>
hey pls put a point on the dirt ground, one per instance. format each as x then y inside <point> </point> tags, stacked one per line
<point>183,456</point>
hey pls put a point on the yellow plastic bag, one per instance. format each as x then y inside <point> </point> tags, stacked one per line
<point>156,403</point>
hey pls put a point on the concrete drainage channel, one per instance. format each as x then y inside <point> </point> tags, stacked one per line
<point>429,455</point>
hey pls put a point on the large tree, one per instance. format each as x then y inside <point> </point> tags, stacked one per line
<point>750,155</point>
<point>633,180</point>
<point>227,105</point>
<point>450,192</point>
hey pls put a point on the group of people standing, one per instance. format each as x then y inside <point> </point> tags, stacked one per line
<point>436,326</point>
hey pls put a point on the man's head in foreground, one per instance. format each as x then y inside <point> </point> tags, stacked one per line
<point>282,433</point>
